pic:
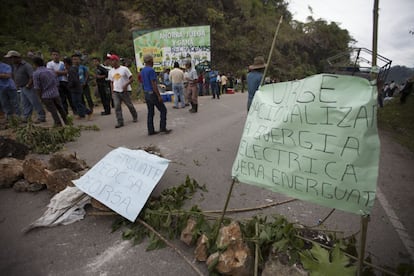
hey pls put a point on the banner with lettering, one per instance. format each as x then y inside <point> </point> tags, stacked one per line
<point>173,45</point>
<point>123,180</point>
<point>313,139</point>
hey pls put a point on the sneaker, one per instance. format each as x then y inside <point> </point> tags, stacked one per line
<point>165,131</point>
<point>135,120</point>
<point>103,113</point>
<point>153,133</point>
<point>119,125</point>
<point>175,107</point>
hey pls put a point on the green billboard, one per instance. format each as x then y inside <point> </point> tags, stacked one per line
<point>173,45</point>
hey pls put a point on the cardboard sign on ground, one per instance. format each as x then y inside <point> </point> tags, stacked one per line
<point>123,180</point>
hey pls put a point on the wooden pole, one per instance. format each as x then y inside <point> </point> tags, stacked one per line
<point>375,38</point>
<point>365,219</point>
<point>363,241</point>
<point>271,50</point>
<point>256,250</point>
<point>224,210</point>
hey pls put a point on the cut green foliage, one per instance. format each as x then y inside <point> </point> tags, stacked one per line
<point>165,214</point>
<point>321,262</point>
<point>276,236</point>
<point>45,140</point>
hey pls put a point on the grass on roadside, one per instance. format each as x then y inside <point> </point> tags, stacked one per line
<point>399,120</point>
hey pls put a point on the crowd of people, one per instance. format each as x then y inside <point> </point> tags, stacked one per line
<point>62,86</point>
<point>392,90</point>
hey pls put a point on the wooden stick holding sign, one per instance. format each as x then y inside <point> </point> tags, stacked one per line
<point>365,219</point>
<point>271,49</point>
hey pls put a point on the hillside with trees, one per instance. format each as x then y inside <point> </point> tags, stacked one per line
<point>399,74</point>
<point>240,30</point>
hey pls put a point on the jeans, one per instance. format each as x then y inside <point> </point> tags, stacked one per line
<point>178,89</point>
<point>215,90</point>
<point>120,97</point>
<point>152,101</point>
<point>66,97</point>
<point>31,100</point>
<point>86,93</point>
<point>200,89</point>
<point>8,102</point>
<point>81,110</point>
<point>54,105</point>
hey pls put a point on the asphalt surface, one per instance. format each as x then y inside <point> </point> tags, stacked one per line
<point>203,146</point>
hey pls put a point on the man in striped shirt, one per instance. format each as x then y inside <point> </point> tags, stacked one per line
<point>46,84</point>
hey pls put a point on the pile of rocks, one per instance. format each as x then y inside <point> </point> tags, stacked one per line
<point>234,256</point>
<point>31,173</point>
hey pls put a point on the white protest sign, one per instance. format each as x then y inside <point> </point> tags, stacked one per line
<point>123,180</point>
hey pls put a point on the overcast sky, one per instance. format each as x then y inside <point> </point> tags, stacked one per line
<point>396,19</point>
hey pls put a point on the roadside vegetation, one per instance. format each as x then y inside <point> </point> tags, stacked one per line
<point>398,120</point>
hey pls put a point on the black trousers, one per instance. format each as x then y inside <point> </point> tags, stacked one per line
<point>105,94</point>
<point>54,105</point>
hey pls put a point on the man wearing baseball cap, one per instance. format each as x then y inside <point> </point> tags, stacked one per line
<point>121,79</point>
<point>23,77</point>
<point>153,97</point>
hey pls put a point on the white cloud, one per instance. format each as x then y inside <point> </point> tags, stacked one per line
<point>395,21</point>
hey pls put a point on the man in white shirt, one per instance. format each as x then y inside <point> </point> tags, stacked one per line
<point>192,93</point>
<point>59,68</point>
<point>177,79</point>
<point>121,79</point>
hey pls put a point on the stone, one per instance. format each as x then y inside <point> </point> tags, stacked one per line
<point>68,161</point>
<point>237,258</point>
<point>58,180</point>
<point>24,186</point>
<point>212,258</point>
<point>200,251</point>
<point>11,170</point>
<point>12,149</point>
<point>34,170</point>
<point>230,234</point>
<point>273,267</point>
<point>187,233</point>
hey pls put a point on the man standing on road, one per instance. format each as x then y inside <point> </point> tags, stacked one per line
<point>192,93</point>
<point>8,92</point>
<point>177,79</point>
<point>254,77</point>
<point>45,82</point>
<point>23,73</point>
<point>103,88</point>
<point>84,79</point>
<point>59,68</point>
<point>121,79</point>
<point>214,85</point>
<point>153,97</point>
<point>75,88</point>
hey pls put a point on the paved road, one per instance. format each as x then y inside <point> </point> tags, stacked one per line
<point>202,145</point>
